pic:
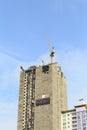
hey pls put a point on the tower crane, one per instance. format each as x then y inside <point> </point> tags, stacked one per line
<point>52,51</point>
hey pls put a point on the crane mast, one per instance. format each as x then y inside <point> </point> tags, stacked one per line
<point>52,51</point>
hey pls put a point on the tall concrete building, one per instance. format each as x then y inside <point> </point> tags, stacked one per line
<point>42,97</point>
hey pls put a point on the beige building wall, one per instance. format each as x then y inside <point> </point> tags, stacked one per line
<point>59,95</point>
<point>43,87</point>
<point>53,85</point>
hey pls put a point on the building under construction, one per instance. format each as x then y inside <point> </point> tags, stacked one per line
<point>42,97</point>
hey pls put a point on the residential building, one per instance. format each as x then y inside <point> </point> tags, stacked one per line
<point>75,119</point>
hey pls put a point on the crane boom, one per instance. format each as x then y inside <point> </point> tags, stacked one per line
<point>49,45</point>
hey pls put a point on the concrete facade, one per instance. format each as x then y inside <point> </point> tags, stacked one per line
<point>41,110</point>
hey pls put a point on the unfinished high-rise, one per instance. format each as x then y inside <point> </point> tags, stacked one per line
<point>42,97</point>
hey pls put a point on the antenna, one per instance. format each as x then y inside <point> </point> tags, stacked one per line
<point>52,52</point>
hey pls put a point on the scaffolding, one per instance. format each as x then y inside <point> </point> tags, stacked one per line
<point>29,100</point>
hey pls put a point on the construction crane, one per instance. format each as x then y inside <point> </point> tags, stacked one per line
<point>52,52</point>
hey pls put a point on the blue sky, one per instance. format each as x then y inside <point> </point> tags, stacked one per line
<point>24,25</point>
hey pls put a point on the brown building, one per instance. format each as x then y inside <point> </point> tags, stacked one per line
<point>42,97</point>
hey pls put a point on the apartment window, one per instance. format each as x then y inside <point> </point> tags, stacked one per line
<point>73,117</point>
<point>79,121</point>
<point>64,128</point>
<point>83,112</point>
<point>74,122</point>
<point>64,120</point>
<point>84,124</point>
<point>64,116</point>
<point>45,69</point>
<point>83,116</point>
<point>74,125</point>
<point>79,125</point>
<point>78,113</point>
<point>78,117</point>
<point>64,123</point>
<point>73,114</point>
<point>84,128</point>
<point>84,120</point>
